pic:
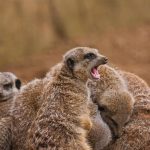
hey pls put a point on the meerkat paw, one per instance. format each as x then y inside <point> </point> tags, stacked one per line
<point>86,123</point>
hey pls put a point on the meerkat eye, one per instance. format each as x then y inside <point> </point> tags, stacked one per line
<point>70,63</point>
<point>18,84</point>
<point>102,108</point>
<point>7,86</point>
<point>89,56</point>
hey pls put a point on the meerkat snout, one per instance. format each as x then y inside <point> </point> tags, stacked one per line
<point>103,60</point>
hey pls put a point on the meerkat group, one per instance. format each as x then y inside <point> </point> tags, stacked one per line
<point>129,115</point>
<point>66,111</point>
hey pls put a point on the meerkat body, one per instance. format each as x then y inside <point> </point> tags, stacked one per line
<point>58,121</point>
<point>27,108</point>
<point>100,134</point>
<point>9,88</point>
<point>24,109</point>
<point>63,120</point>
<point>114,101</point>
<point>136,134</point>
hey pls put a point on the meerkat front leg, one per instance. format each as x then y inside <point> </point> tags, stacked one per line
<point>86,122</point>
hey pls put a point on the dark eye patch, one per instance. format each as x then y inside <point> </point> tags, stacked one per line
<point>89,56</point>
<point>70,63</point>
<point>7,86</point>
<point>102,108</point>
<point>18,84</point>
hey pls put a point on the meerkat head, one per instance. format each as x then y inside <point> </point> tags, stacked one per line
<point>9,85</point>
<point>115,108</point>
<point>82,62</point>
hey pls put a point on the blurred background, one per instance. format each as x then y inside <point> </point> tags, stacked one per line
<point>35,33</point>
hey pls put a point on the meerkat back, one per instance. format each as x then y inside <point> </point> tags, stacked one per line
<point>24,109</point>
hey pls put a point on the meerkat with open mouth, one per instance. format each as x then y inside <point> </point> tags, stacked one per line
<point>63,120</point>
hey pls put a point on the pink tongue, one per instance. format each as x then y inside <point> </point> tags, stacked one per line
<point>95,73</point>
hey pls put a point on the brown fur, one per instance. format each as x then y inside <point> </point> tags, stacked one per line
<point>6,133</point>
<point>136,134</point>
<point>27,104</point>
<point>100,133</point>
<point>114,101</point>
<point>63,120</point>
<point>24,109</point>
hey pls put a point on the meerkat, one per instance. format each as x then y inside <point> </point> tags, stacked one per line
<point>114,101</point>
<point>27,104</point>
<point>25,107</point>
<point>9,87</point>
<point>100,134</point>
<point>63,120</point>
<point>136,134</point>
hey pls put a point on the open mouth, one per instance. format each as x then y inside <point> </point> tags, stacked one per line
<point>4,98</point>
<point>94,72</point>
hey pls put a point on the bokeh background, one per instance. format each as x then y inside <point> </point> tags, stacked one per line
<point>35,33</point>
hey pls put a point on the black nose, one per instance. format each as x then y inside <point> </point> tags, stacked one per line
<point>105,60</point>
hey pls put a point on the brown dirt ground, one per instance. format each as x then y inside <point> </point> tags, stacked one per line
<point>128,49</point>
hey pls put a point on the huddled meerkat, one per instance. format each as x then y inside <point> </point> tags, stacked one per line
<point>136,134</point>
<point>26,105</point>
<point>114,101</point>
<point>9,87</point>
<point>63,120</point>
<point>30,99</point>
<point>100,134</point>
<point>24,109</point>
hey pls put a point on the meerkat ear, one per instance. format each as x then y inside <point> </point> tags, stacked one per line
<point>18,83</point>
<point>70,63</point>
